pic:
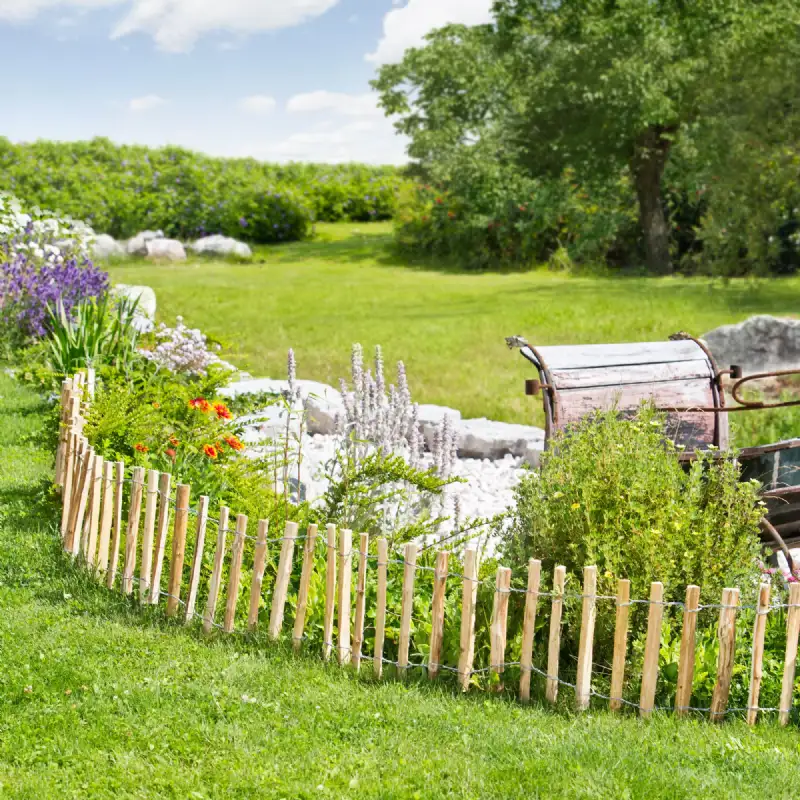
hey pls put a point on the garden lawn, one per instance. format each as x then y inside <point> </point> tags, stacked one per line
<point>98,700</point>
<point>348,286</point>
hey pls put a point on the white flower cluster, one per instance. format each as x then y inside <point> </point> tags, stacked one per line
<point>182,349</point>
<point>40,234</point>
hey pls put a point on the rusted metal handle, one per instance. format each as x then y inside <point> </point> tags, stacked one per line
<point>772,532</point>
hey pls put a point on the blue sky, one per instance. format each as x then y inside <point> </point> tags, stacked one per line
<point>275,79</point>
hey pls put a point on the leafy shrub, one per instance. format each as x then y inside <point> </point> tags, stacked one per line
<point>612,493</point>
<point>122,190</point>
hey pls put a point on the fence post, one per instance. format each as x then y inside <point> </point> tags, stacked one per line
<point>178,548</point>
<point>106,515</point>
<point>216,570</point>
<point>790,662</point>
<point>116,535</point>
<point>726,633</point>
<point>164,484</point>
<point>554,644</point>
<point>683,695</point>
<point>259,564</point>
<point>66,493</point>
<point>234,577</point>
<point>380,609</point>
<point>305,583</point>
<point>63,431</point>
<point>757,659</point>
<point>94,512</point>
<point>469,599</point>
<point>84,469</point>
<point>407,607</point>
<point>330,591</point>
<point>361,601</point>
<point>651,650</point>
<point>132,531</point>
<point>197,561</point>
<point>620,644</point>
<point>529,629</point>
<point>150,504</point>
<point>282,580</point>
<point>345,579</point>
<point>497,631</point>
<point>583,682</point>
<point>437,613</point>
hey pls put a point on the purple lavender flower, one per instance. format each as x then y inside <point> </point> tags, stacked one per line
<point>243,222</point>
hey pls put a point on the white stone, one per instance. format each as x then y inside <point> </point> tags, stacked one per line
<point>279,387</point>
<point>322,411</point>
<point>270,425</point>
<point>431,418</point>
<point>759,344</point>
<point>137,246</point>
<point>166,250</point>
<point>487,439</point>
<point>221,246</point>
<point>106,246</point>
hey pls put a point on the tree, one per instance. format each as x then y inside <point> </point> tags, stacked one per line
<point>595,85</point>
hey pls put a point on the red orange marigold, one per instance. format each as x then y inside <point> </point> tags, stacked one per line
<point>141,448</point>
<point>200,403</point>
<point>210,451</point>
<point>233,443</point>
<point>223,412</point>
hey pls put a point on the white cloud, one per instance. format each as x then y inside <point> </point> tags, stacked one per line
<point>406,27</point>
<point>176,25</point>
<point>257,104</point>
<point>352,105</point>
<point>146,103</point>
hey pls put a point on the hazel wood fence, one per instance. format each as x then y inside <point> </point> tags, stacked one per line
<point>92,527</point>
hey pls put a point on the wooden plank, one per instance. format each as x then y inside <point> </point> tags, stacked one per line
<point>498,629</point>
<point>583,682</point>
<point>620,354</point>
<point>343,587</point>
<point>683,694</point>
<point>529,628</point>
<point>380,607</point>
<point>655,374</point>
<point>305,584</point>
<point>116,527</point>
<point>178,548</point>
<point>620,644</point>
<point>554,642</point>
<point>757,656</point>
<point>164,484</point>
<point>197,561</point>
<point>81,479</point>
<point>216,571</point>
<point>67,491</point>
<point>469,600</point>
<point>235,574</point>
<point>83,532</point>
<point>259,564</point>
<point>63,430</point>
<point>790,661</point>
<point>106,517</point>
<point>330,592</point>
<point>150,505</point>
<point>361,601</point>
<point>282,580</point>
<point>132,531</point>
<point>726,634</point>
<point>407,607</point>
<point>437,613</point>
<point>94,514</point>
<point>651,649</point>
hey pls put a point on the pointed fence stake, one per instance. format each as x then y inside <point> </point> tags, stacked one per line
<point>583,682</point>
<point>683,695</point>
<point>790,661</point>
<point>497,653</point>
<point>216,571</point>
<point>529,629</point>
<point>620,644</point>
<point>726,634</point>
<point>380,609</point>
<point>554,642</point>
<point>469,600</point>
<point>361,601</point>
<point>234,577</point>
<point>178,549</point>
<point>330,592</point>
<point>437,613</point>
<point>197,561</point>
<point>282,580</point>
<point>116,528</point>
<point>757,658</point>
<point>106,517</point>
<point>651,649</point>
<point>407,607</point>
<point>344,588</point>
<point>259,564</point>
<point>305,584</point>
<point>162,528</point>
<point>150,505</point>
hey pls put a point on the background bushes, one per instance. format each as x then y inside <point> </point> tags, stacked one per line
<point>121,190</point>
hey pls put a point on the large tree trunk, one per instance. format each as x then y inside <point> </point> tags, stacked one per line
<point>649,159</point>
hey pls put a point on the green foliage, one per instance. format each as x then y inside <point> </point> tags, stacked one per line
<point>122,189</point>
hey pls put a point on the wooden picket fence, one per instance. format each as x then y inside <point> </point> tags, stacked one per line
<point>92,526</point>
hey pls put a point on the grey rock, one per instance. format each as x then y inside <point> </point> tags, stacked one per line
<point>221,246</point>
<point>270,425</point>
<point>166,250</point>
<point>487,439</point>
<point>322,410</point>
<point>759,344</point>
<point>106,246</point>
<point>137,246</point>
<point>431,418</point>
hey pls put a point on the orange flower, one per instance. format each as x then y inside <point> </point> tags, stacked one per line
<point>233,443</point>
<point>141,448</point>
<point>171,453</point>
<point>156,405</point>
<point>222,411</point>
<point>174,441</point>
<point>200,403</point>
<point>210,451</point>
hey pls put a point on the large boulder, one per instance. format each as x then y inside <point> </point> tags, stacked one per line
<point>218,245</point>
<point>137,246</point>
<point>431,418</point>
<point>759,344</point>
<point>485,438</point>
<point>322,410</point>
<point>166,250</point>
<point>144,317</point>
<point>106,247</point>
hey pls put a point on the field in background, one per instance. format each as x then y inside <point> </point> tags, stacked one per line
<point>348,286</point>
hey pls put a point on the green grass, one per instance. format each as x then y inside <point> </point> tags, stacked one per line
<point>321,296</point>
<point>99,700</point>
